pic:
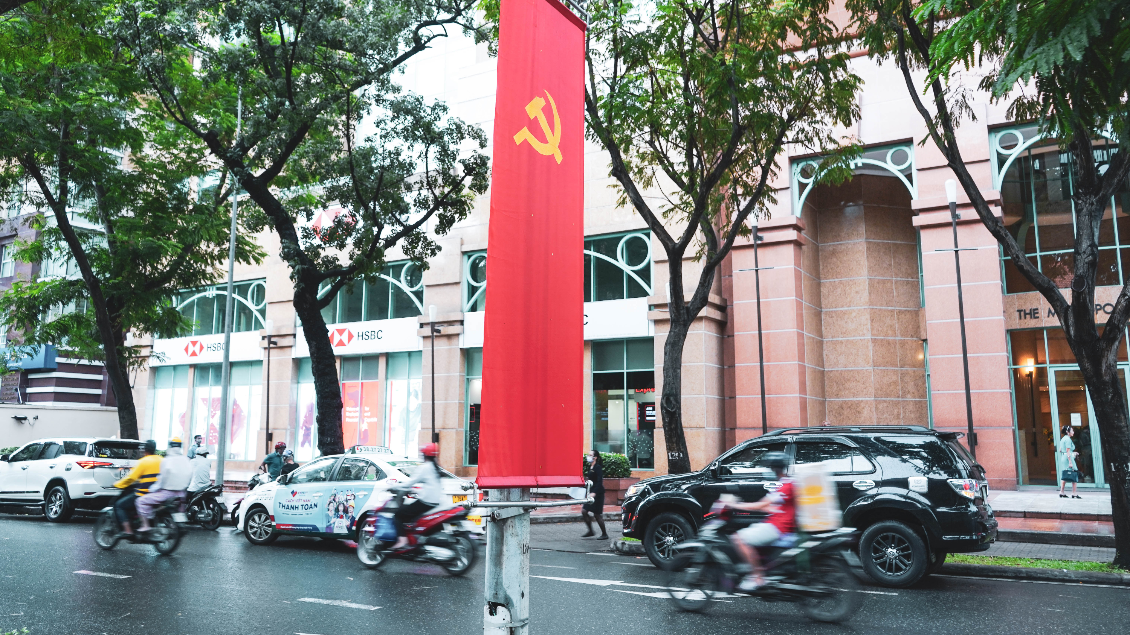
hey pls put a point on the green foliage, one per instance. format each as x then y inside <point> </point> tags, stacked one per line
<point>9,450</point>
<point>324,126</point>
<point>1034,563</point>
<point>615,465</point>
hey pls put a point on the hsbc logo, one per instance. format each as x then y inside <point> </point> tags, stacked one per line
<point>341,337</point>
<point>193,348</point>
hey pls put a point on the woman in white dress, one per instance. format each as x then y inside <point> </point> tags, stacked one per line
<point>1065,458</point>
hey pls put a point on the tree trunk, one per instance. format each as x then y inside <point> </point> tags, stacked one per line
<point>323,362</point>
<point>1109,400</point>
<point>118,372</point>
<point>671,403</point>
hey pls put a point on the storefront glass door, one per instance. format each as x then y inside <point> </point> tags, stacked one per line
<point>1071,406</point>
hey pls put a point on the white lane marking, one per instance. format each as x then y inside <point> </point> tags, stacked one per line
<point>103,575</point>
<point>550,566</point>
<point>598,553</point>
<point>871,592</point>
<point>579,580</point>
<point>665,596</point>
<point>633,564</point>
<point>350,605</point>
<point>1065,582</point>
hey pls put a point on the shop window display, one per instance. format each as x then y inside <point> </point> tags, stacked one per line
<point>624,405</point>
<point>474,379</point>
<point>169,403</point>
<point>245,398</point>
<point>403,389</point>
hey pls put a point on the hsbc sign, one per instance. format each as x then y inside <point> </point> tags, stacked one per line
<point>205,349</point>
<point>361,338</point>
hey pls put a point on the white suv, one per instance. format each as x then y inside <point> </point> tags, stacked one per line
<point>62,475</point>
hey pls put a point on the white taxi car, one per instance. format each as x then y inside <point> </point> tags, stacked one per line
<point>331,495</point>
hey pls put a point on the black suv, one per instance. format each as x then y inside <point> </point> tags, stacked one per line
<point>916,495</point>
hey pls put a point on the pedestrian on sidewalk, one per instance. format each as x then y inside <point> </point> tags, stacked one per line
<point>1065,455</point>
<point>596,507</point>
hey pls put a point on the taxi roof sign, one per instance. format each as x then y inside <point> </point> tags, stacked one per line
<point>369,449</point>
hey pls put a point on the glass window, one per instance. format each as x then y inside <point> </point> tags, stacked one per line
<point>51,450</point>
<point>28,453</point>
<point>1039,212</point>
<point>7,262</point>
<point>361,392</point>
<point>474,388</point>
<point>169,404</point>
<point>313,472</point>
<point>118,450</point>
<point>474,281</point>
<point>245,396</point>
<point>926,454</point>
<point>624,408</point>
<point>747,460</point>
<point>618,267</point>
<point>75,448</point>
<point>404,386</point>
<point>205,307</point>
<point>839,458</point>
<point>358,469</point>
<point>397,292</point>
<point>305,442</point>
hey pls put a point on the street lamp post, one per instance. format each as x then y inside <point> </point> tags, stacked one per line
<point>951,196</point>
<point>757,269</point>
<point>433,329</point>
<point>268,327</point>
<point>229,313</point>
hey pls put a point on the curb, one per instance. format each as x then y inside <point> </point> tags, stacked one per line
<point>1039,575</point>
<point>1055,538</point>
<point>544,519</point>
<point>632,547</point>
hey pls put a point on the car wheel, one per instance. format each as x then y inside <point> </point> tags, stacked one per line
<point>938,558</point>
<point>57,506</point>
<point>663,535</point>
<point>259,528</point>
<point>893,554</point>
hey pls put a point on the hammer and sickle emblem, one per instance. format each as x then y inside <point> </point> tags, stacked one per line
<point>552,143</point>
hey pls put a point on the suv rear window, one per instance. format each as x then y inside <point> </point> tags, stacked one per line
<point>927,454</point>
<point>77,448</point>
<point>119,450</point>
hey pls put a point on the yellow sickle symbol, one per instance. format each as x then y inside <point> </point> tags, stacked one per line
<point>552,142</point>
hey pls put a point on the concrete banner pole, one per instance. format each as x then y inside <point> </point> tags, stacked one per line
<point>507,610</point>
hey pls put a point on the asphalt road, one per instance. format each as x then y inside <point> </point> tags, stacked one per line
<point>218,583</point>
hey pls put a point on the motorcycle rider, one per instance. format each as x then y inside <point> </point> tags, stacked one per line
<point>273,462</point>
<point>172,481</point>
<point>781,506</point>
<point>141,478</point>
<point>428,496</point>
<point>201,472</point>
<point>288,463</point>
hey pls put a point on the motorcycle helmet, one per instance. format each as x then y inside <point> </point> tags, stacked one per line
<point>430,449</point>
<point>174,442</point>
<point>776,461</point>
<point>288,454</point>
<point>150,447</point>
<point>280,446</point>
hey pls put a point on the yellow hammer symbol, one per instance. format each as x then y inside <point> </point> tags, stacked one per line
<point>552,143</point>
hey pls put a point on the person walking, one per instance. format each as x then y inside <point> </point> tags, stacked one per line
<point>596,507</point>
<point>1065,455</point>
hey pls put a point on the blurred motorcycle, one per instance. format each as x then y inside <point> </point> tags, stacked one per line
<point>436,537</point>
<point>165,535</point>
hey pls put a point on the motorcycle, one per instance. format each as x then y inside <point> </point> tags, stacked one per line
<point>206,507</point>
<point>255,480</point>
<point>165,536</point>
<point>435,537</point>
<point>819,571</point>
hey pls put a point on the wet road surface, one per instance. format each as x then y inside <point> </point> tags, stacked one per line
<point>219,583</point>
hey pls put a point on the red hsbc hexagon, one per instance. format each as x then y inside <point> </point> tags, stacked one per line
<point>193,348</point>
<point>341,337</point>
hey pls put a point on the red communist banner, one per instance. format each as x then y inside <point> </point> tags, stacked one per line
<point>533,349</point>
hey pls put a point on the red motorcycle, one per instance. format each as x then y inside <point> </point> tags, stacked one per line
<point>436,537</point>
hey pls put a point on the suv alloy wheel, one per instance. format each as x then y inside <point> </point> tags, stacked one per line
<point>664,533</point>
<point>893,554</point>
<point>57,507</point>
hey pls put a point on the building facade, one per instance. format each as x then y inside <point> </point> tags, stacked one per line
<point>857,295</point>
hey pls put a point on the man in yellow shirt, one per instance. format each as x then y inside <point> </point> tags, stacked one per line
<point>141,478</point>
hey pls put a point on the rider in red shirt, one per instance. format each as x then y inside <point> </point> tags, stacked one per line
<point>781,506</point>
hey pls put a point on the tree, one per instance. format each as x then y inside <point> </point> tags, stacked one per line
<point>323,125</point>
<point>695,100</point>
<point>1066,65</point>
<point>113,187</point>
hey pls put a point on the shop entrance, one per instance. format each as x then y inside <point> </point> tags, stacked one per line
<point>1071,405</point>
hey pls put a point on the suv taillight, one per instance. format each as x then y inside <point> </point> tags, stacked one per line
<point>967,487</point>
<point>90,465</point>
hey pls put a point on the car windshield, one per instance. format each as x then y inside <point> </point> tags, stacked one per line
<point>119,450</point>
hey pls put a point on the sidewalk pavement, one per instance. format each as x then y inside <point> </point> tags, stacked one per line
<point>1046,504</point>
<point>1049,552</point>
<point>567,537</point>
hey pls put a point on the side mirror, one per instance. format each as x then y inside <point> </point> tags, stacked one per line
<point>5,457</point>
<point>284,479</point>
<point>714,471</point>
